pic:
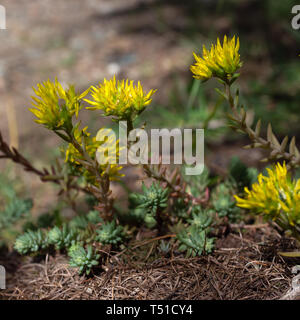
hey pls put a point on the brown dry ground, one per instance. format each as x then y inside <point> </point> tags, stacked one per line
<point>245,266</point>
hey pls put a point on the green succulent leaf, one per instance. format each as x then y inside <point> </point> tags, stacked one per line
<point>194,241</point>
<point>200,218</point>
<point>152,200</point>
<point>110,233</point>
<point>62,238</point>
<point>84,259</point>
<point>31,242</point>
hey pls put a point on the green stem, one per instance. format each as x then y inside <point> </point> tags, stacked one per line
<point>103,180</point>
<point>193,94</point>
<point>213,113</point>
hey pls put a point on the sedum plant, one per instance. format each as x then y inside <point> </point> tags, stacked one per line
<point>110,233</point>
<point>195,241</point>
<point>62,238</point>
<point>54,106</point>
<point>57,109</point>
<point>202,219</point>
<point>170,198</point>
<point>120,99</point>
<point>164,247</point>
<point>222,61</point>
<point>276,197</point>
<point>31,242</point>
<point>84,259</point>
<point>152,203</point>
<point>153,199</point>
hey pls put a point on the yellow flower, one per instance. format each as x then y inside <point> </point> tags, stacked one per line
<point>120,99</point>
<point>54,106</point>
<point>220,61</point>
<point>73,155</point>
<point>276,195</point>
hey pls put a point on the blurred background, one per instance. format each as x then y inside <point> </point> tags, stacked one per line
<point>81,42</point>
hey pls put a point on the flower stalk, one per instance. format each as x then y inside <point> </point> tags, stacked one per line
<point>102,191</point>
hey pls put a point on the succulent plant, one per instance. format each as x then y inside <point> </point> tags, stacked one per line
<point>164,247</point>
<point>83,259</point>
<point>31,242</point>
<point>200,218</point>
<point>194,242</point>
<point>152,198</point>
<point>62,238</point>
<point>110,233</point>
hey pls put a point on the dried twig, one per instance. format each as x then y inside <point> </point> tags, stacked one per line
<point>45,175</point>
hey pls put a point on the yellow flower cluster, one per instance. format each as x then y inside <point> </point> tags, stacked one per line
<point>91,145</point>
<point>220,61</point>
<point>120,99</point>
<point>276,195</point>
<point>54,106</point>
